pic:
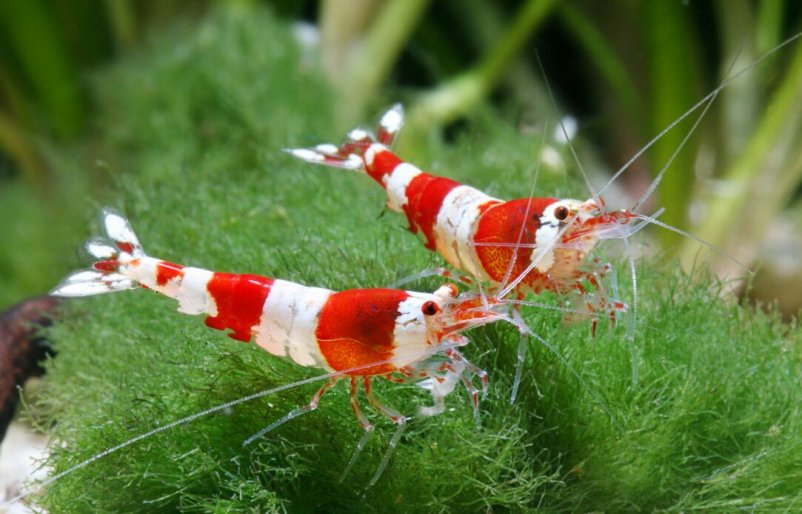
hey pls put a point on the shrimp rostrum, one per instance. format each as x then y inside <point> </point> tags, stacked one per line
<point>357,335</point>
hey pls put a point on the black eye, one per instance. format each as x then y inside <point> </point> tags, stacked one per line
<point>561,213</point>
<point>430,308</point>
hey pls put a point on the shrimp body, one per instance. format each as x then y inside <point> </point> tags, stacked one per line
<point>357,334</point>
<point>540,242</point>
<point>353,333</point>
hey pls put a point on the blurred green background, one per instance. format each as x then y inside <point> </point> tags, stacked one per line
<point>125,103</point>
<point>623,72</point>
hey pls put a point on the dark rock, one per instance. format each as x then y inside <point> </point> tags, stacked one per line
<point>22,349</point>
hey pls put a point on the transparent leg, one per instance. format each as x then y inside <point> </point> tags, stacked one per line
<point>294,413</point>
<point>401,425</point>
<point>523,344</point>
<point>363,420</point>
<point>396,417</point>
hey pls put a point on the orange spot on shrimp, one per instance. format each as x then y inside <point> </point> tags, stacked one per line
<point>501,223</point>
<point>356,328</point>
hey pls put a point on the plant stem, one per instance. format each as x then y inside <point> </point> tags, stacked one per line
<point>769,25</point>
<point>605,58</point>
<point>32,31</point>
<point>457,96</point>
<point>673,77</point>
<point>123,23</point>
<point>739,101</point>
<point>342,23</point>
<point>370,65</point>
<point>16,144</point>
<point>485,24</point>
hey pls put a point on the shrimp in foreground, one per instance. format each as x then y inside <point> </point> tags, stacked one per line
<point>357,334</point>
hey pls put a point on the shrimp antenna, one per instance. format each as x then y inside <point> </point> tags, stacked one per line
<point>164,428</point>
<point>201,414</point>
<point>659,178</point>
<point>633,317</point>
<point>524,328</point>
<point>571,147</point>
<point>698,239</point>
<point>650,190</point>
<point>695,106</point>
<point>526,211</point>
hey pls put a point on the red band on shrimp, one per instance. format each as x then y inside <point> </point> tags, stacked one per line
<point>356,328</point>
<point>239,300</point>
<point>425,195</point>
<point>124,246</point>
<point>384,162</point>
<point>166,271</point>
<point>502,223</point>
<point>107,265</point>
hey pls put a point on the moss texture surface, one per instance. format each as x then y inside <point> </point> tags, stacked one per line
<point>192,129</point>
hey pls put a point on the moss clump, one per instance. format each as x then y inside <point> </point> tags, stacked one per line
<point>193,127</point>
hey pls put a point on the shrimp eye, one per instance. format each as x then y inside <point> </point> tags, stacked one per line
<point>430,308</point>
<point>561,212</point>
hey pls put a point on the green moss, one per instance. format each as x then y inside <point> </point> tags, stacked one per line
<point>193,128</point>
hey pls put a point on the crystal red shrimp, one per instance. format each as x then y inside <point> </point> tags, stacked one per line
<point>526,244</point>
<point>356,334</point>
<point>312,326</point>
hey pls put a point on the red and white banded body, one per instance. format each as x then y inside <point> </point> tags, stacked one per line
<point>537,243</point>
<point>355,333</point>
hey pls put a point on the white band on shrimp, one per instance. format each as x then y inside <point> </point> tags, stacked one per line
<point>409,335</point>
<point>396,184</point>
<point>456,225</point>
<point>288,323</point>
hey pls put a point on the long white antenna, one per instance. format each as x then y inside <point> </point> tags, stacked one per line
<point>698,104</point>
<point>203,413</point>
<point>526,212</point>
<point>568,138</point>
